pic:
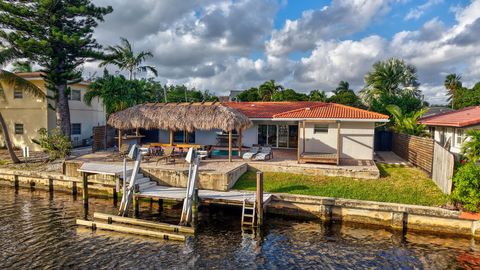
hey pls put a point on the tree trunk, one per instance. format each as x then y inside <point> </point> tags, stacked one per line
<point>63,111</point>
<point>8,142</point>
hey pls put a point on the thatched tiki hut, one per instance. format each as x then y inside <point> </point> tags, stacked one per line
<point>182,117</point>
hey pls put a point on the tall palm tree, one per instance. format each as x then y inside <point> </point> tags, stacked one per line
<point>392,77</point>
<point>343,86</point>
<point>268,89</point>
<point>452,83</point>
<point>125,58</point>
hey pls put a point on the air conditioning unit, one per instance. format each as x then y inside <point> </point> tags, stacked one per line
<point>76,141</point>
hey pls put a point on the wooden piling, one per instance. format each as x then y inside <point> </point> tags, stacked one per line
<point>50,185</point>
<point>160,205</point>
<point>17,184</point>
<point>259,198</point>
<point>136,206</point>
<point>115,196</point>
<point>85,189</point>
<point>74,189</point>
<point>195,208</point>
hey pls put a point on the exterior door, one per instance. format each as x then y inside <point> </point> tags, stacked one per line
<point>293,136</point>
<point>282,135</point>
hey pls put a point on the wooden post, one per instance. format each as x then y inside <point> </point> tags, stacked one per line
<point>160,205</point>
<point>303,150</point>
<point>171,137</point>
<point>338,143</point>
<point>85,189</point>
<point>17,184</point>
<point>298,142</point>
<point>119,139</point>
<point>74,188</point>
<point>230,137</point>
<point>195,208</point>
<point>50,185</point>
<point>136,206</point>
<point>259,198</point>
<point>115,197</point>
<point>137,132</point>
<point>239,142</point>
<point>187,137</point>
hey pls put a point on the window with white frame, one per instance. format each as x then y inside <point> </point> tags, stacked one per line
<point>75,95</point>
<point>76,129</point>
<point>459,136</point>
<point>320,128</point>
<point>17,93</point>
<point>18,129</point>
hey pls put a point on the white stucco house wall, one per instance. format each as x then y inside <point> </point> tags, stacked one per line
<point>449,129</point>
<point>280,125</point>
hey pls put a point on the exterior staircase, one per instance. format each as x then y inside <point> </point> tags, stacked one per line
<point>248,213</point>
<point>142,181</point>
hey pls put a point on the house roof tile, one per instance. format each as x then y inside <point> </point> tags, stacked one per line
<point>303,110</point>
<point>461,118</point>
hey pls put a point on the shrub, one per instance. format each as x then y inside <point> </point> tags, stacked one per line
<point>55,144</point>
<point>467,186</point>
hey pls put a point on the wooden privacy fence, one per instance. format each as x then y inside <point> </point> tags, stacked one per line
<point>416,150</point>
<point>103,137</point>
<point>427,155</point>
<point>443,165</point>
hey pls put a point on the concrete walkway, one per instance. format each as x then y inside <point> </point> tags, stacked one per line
<point>388,157</point>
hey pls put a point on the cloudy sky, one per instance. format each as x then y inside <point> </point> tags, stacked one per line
<point>303,44</point>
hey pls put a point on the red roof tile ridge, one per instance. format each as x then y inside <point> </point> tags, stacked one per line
<point>451,112</point>
<point>302,109</point>
<point>362,110</point>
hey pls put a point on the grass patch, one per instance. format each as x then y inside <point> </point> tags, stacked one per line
<point>398,184</point>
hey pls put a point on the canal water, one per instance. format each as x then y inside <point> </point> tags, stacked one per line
<point>38,231</point>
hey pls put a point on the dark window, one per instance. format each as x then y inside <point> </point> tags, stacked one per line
<point>180,137</point>
<point>17,93</point>
<point>76,129</point>
<point>75,95</point>
<point>320,128</point>
<point>19,129</point>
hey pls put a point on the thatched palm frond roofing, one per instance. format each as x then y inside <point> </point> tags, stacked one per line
<point>180,116</point>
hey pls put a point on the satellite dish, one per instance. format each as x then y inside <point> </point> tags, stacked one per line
<point>190,155</point>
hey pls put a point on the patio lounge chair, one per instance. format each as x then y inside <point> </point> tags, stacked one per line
<point>251,153</point>
<point>265,154</point>
<point>168,155</point>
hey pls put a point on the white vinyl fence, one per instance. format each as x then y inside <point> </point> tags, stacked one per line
<point>443,165</point>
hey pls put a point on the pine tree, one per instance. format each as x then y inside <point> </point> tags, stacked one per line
<point>58,36</point>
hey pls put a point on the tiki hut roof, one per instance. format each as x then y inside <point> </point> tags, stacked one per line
<point>180,116</point>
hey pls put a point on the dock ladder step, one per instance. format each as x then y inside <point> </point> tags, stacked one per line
<point>248,211</point>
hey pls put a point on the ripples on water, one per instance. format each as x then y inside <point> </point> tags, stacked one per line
<point>39,231</point>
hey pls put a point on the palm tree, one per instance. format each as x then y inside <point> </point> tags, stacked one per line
<point>392,77</point>
<point>317,95</point>
<point>471,147</point>
<point>124,58</point>
<point>268,89</point>
<point>343,86</point>
<point>9,78</point>
<point>452,83</point>
<point>407,122</point>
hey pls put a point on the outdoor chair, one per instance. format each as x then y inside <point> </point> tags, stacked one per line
<point>265,154</point>
<point>168,155</point>
<point>251,153</point>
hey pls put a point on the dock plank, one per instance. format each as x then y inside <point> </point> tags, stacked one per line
<point>102,168</point>
<point>211,196</point>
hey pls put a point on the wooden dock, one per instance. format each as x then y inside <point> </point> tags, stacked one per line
<point>231,197</point>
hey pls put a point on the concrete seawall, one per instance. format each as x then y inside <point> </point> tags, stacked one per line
<point>396,216</point>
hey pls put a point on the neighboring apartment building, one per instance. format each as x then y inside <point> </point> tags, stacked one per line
<point>449,128</point>
<point>25,114</point>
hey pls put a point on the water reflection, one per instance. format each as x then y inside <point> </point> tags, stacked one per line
<point>38,231</point>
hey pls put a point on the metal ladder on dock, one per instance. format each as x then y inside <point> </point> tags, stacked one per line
<point>248,212</point>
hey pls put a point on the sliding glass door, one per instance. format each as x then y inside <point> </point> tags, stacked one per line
<point>283,136</point>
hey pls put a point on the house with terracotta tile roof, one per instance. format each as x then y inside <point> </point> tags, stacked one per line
<point>313,128</point>
<point>449,128</point>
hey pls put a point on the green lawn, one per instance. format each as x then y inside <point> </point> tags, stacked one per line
<point>398,184</point>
